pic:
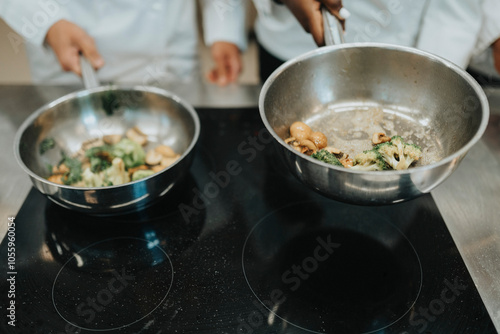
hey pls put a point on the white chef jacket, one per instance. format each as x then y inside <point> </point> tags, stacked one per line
<point>482,60</point>
<point>146,42</point>
<point>448,28</point>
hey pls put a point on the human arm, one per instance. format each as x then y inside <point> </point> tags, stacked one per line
<point>496,54</point>
<point>224,32</point>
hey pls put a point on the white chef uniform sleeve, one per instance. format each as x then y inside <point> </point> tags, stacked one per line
<point>490,28</point>
<point>450,29</point>
<point>32,18</point>
<point>224,20</point>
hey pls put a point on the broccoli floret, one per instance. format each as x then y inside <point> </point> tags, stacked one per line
<point>100,157</point>
<point>408,153</point>
<point>399,143</point>
<point>116,174</point>
<point>411,154</point>
<point>142,173</point>
<point>130,152</point>
<point>75,170</point>
<point>325,156</point>
<point>369,161</point>
<point>91,179</point>
<point>398,154</point>
<point>389,154</point>
<point>98,164</point>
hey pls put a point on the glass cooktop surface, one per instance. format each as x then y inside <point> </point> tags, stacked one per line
<point>240,246</point>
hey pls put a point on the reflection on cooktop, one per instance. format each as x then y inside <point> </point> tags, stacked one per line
<point>119,290</point>
<point>161,224</point>
<point>317,268</point>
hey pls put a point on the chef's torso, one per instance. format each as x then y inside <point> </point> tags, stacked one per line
<point>424,24</point>
<point>143,42</point>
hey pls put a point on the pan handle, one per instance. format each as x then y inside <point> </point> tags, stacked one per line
<point>89,75</point>
<point>334,33</point>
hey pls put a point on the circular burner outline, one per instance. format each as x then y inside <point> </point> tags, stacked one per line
<point>306,329</point>
<point>120,327</point>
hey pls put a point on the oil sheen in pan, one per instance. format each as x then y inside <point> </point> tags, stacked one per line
<point>349,126</point>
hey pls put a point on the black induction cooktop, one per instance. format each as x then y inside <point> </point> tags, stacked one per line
<point>239,246</point>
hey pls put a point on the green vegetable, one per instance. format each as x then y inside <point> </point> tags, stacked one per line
<point>130,152</point>
<point>46,144</point>
<point>325,156</point>
<point>398,154</point>
<point>49,167</point>
<point>109,102</point>
<point>100,157</point>
<point>142,173</point>
<point>75,170</point>
<point>98,164</point>
<point>116,173</point>
<point>369,161</point>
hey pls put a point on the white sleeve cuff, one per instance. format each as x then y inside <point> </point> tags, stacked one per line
<point>224,20</point>
<point>490,28</point>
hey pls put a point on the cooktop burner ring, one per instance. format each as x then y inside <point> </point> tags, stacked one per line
<point>273,291</point>
<point>122,286</point>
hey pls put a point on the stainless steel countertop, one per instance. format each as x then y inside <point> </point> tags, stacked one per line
<point>468,200</point>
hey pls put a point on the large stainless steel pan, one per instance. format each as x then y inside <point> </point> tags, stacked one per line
<point>348,91</point>
<point>95,112</point>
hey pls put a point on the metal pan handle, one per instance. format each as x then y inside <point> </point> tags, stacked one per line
<point>89,75</point>
<point>334,33</point>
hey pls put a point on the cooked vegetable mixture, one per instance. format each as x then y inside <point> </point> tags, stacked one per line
<point>112,160</point>
<point>387,153</point>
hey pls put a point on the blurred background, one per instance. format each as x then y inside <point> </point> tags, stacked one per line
<point>14,63</point>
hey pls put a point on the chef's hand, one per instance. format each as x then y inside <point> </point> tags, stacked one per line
<point>308,13</point>
<point>227,63</point>
<point>496,54</point>
<point>68,40</point>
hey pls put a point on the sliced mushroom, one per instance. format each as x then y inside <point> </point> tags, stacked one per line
<point>308,147</point>
<point>85,164</point>
<point>112,139</point>
<point>379,138</point>
<point>346,162</point>
<point>165,162</point>
<point>158,168</point>
<point>153,158</point>
<point>88,144</point>
<point>135,169</point>
<point>56,178</point>
<point>319,139</point>
<point>137,135</point>
<point>300,130</point>
<point>166,151</point>
<point>61,169</point>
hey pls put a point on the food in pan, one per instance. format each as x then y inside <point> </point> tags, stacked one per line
<point>387,152</point>
<point>112,160</point>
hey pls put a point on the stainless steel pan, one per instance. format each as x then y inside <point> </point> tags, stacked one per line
<point>94,112</point>
<point>349,91</point>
